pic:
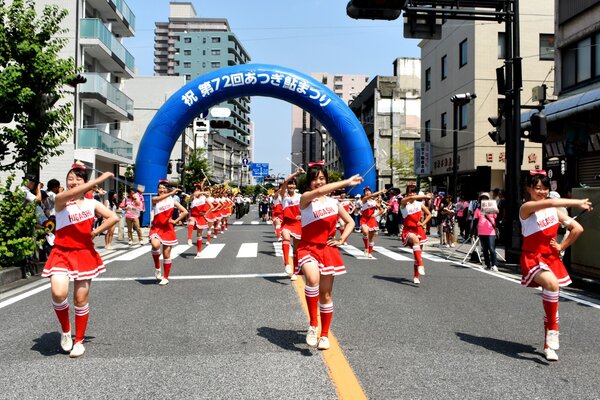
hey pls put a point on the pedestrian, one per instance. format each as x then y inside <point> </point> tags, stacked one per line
<point>132,207</point>
<point>319,259</point>
<point>369,226</point>
<point>292,227</point>
<point>140,195</point>
<point>486,230</point>
<point>54,188</point>
<point>112,203</point>
<point>356,213</point>
<point>73,255</point>
<point>540,259</point>
<point>392,214</point>
<point>163,229</point>
<point>415,216</point>
<point>448,221</point>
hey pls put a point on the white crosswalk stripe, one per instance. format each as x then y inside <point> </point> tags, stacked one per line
<point>238,222</point>
<point>353,251</point>
<point>391,254</point>
<point>248,250</point>
<point>211,251</point>
<point>278,249</point>
<point>131,255</point>
<point>426,256</point>
<point>254,222</point>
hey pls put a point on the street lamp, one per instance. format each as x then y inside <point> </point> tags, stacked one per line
<point>458,100</point>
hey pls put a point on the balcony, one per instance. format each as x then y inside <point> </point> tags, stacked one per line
<point>118,13</point>
<point>98,93</point>
<point>95,139</point>
<point>99,43</point>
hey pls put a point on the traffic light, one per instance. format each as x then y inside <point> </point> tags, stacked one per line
<point>499,135</point>
<point>539,128</point>
<point>179,166</point>
<point>169,168</point>
<point>220,123</point>
<point>76,80</point>
<point>375,9</point>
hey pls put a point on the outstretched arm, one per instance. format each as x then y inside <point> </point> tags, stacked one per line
<point>75,193</point>
<point>309,196</point>
<point>532,206</point>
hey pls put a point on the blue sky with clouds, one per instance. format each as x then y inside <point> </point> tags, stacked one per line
<point>307,35</point>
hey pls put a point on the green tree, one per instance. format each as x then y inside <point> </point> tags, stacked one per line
<point>18,238</point>
<point>32,79</point>
<point>404,165</point>
<point>195,169</point>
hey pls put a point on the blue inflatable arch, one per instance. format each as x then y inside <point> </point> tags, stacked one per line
<point>253,80</point>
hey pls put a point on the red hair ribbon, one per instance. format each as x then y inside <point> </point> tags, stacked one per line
<point>313,163</point>
<point>78,165</point>
<point>197,185</point>
<point>537,172</point>
<point>163,181</point>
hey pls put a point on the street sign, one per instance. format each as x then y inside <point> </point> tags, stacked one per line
<point>244,162</point>
<point>422,158</point>
<point>259,169</point>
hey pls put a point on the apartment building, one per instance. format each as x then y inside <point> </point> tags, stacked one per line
<point>465,61</point>
<point>310,141</point>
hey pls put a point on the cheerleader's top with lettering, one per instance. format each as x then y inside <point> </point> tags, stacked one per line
<point>368,208</point>
<point>198,205</point>
<point>412,214</point>
<point>539,229</point>
<point>163,211</point>
<point>291,207</point>
<point>74,225</point>
<point>319,220</point>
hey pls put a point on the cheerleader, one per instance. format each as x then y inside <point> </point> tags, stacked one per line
<point>368,221</point>
<point>277,213</point>
<point>540,258</point>
<point>197,220</point>
<point>73,255</point>
<point>319,259</point>
<point>349,207</point>
<point>163,229</point>
<point>292,227</point>
<point>413,229</point>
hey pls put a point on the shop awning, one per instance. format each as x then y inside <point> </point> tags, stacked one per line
<point>567,107</point>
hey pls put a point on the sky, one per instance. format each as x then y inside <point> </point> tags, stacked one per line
<point>306,35</point>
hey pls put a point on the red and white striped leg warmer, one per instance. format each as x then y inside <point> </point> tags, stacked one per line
<point>326,315</point>
<point>62,312</point>
<point>167,264</point>
<point>285,247</point>
<point>312,302</point>
<point>550,302</point>
<point>81,320</point>
<point>156,258</point>
<point>417,252</point>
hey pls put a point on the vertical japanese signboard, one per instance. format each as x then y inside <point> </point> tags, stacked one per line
<point>423,158</point>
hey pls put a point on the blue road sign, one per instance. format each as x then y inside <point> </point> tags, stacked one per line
<point>259,169</point>
<point>244,161</point>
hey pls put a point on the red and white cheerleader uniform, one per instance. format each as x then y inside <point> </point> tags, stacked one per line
<point>367,218</point>
<point>277,214</point>
<point>290,210</point>
<point>412,215</point>
<point>318,225</point>
<point>73,253</point>
<point>197,219</point>
<point>161,228</point>
<point>345,203</point>
<point>538,255</point>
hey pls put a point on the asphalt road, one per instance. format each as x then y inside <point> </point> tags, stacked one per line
<point>231,325</point>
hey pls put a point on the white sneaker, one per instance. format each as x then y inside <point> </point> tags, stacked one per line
<point>494,268</point>
<point>452,245</point>
<point>323,343</point>
<point>550,354</point>
<point>163,282</point>
<point>552,340</point>
<point>288,270</point>
<point>369,255</point>
<point>197,256</point>
<point>416,281</point>
<point>293,277</point>
<point>157,274</point>
<point>66,342</point>
<point>311,336</point>
<point>189,242</point>
<point>130,243</point>
<point>78,350</point>
<point>421,270</point>
<point>366,253</point>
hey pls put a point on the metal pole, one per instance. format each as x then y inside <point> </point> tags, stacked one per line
<point>455,149</point>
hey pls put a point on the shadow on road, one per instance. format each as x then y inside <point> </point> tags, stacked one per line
<point>286,339</point>
<point>282,280</point>
<point>395,279</point>
<point>49,344</point>
<point>510,349</point>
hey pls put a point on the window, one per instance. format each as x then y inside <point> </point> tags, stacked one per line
<point>444,124</point>
<point>584,60</point>
<point>203,64</point>
<point>428,131</point>
<point>444,67</point>
<point>187,52</point>
<point>187,64</point>
<point>501,45</point>
<point>215,52</point>
<point>546,46</point>
<point>463,53</point>
<point>463,117</point>
<point>428,79</point>
<point>187,40</point>
<point>215,64</point>
<point>215,40</point>
<point>581,61</point>
<point>188,77</point>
